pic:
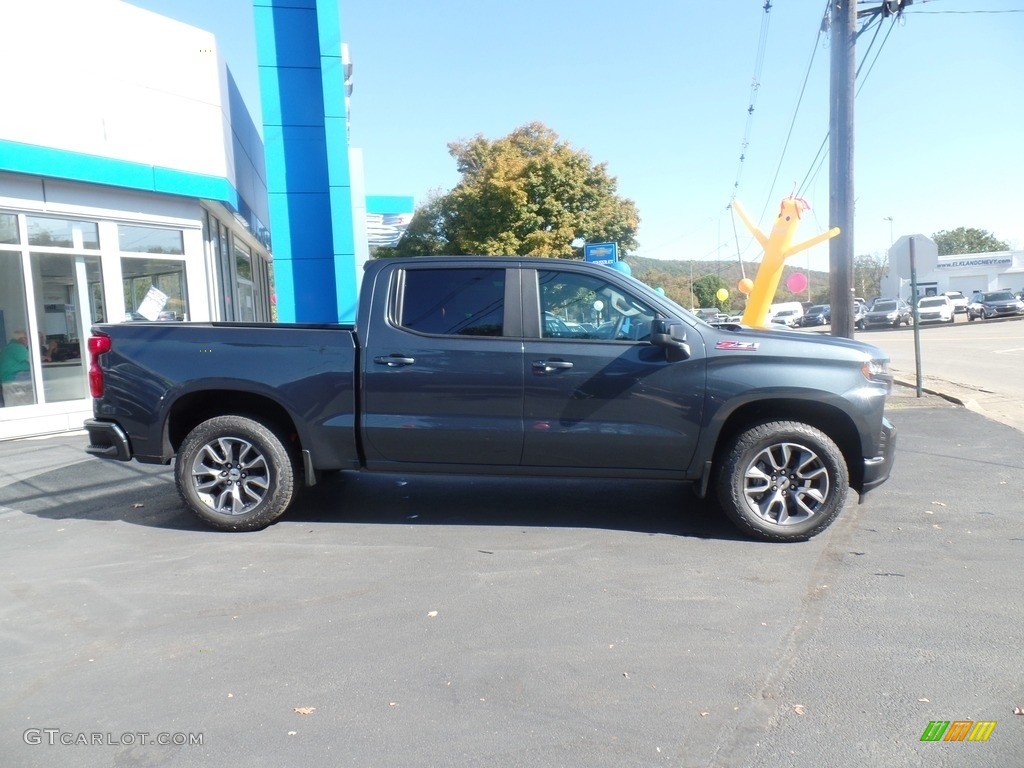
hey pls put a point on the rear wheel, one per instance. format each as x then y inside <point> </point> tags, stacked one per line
<point>235,473</point>
<point>782,481</point>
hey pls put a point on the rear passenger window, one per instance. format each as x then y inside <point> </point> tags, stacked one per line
<point>454,302</point>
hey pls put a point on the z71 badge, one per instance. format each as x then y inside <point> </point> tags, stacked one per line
<point>738,346</point>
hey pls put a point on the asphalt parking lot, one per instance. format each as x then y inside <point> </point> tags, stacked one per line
<point>436,621</point>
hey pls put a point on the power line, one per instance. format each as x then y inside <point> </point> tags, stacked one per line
<point>1007,10</point>
<point>816,163</point>
<point>755,85</point>
<point>796,111</point>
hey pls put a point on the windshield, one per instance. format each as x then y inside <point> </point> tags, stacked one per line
<point>931,303</point>
<point>884,306</point>
<point>817,308</point>
<point>998,296</point>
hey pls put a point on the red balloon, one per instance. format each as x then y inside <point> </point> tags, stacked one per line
<point>797,282</point>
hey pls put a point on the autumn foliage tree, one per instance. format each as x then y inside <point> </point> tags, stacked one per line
<point>527,194</point>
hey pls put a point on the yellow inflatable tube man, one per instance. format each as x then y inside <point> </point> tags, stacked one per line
<point>777,248</point>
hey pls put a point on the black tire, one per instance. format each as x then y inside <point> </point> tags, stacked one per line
<point>970,317</point>
<point>782,481</point>
<point>235,473</point>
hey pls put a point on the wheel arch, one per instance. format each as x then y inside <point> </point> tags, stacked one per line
<point>194,408</point>
<point>832,421</point>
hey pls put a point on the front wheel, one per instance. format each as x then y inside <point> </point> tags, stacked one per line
<point>235,473</point>
<point>782,481</point>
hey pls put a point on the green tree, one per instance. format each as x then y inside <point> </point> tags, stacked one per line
<point>527,194</point>
<point>967,240</point>
<point>705,288</point>
<point>868,271</point>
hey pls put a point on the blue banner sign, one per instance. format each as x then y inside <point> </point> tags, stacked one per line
<point>601,253</point>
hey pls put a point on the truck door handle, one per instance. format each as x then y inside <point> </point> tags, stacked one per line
<point>550,366</point>
<point>394,361</point>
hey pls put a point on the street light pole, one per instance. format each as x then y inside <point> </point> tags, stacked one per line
<point>891,239</point>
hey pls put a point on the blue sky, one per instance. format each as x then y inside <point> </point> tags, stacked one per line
<point>660,93</point>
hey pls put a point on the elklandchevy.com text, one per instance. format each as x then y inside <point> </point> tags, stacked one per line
<point>57,737</point>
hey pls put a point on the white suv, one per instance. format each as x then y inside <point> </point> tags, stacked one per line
<point>959,301</point>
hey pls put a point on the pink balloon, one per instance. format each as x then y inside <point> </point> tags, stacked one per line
<point>796,282</point>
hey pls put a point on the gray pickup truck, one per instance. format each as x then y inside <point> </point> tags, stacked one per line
<point>502,366</point>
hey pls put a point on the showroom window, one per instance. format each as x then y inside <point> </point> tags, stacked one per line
<point>43,332</point>
<point>62,233</point>
<point>154,288</point>
<point>61,283</point>
<point>246,290</point>
<point>151,240</point>
<point>16,353</point>
<point>9,229</point>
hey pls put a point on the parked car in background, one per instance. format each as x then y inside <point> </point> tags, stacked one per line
<point>888,312</point>
<point>959,301</point>
<point>817,314</point>
<point>935,309</point>
<point>787,317</point>
<point>707,314</point>
<point>860,313</point>
<point>989,304</point>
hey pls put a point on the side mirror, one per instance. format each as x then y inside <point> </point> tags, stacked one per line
<point>670,335</point>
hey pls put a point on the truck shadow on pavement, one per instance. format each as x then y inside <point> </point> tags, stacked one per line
<point>651,506</point>
<point>146,496</point>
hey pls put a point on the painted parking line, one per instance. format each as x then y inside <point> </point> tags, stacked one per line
<point>1013,351</point>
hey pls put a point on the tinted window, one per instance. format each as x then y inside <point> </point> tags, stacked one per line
<point>885,306</point>
<point>454,302</point>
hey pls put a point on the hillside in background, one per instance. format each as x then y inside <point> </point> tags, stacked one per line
<point>675,277</point>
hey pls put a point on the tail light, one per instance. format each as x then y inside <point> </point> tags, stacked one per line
<point>97,346</point>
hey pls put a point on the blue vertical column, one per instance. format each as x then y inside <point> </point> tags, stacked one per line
<point>298,47</point>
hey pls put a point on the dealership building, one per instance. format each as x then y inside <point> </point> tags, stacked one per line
<point>133,186</point>
<point>936,274</point>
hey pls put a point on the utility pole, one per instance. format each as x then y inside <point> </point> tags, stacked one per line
<point>840,249</point>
